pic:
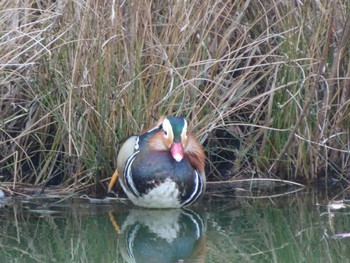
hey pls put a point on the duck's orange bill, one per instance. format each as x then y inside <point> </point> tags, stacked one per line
<point>113,180</point>
<point>177,151</point>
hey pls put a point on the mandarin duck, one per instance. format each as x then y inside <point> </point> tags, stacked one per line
<point>162,167</point>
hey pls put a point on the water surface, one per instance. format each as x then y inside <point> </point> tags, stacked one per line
<point>299,227</point>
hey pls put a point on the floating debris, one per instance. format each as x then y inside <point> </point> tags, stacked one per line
<point>44,211</point>
<point>342,235</point>
<point>337,204</point>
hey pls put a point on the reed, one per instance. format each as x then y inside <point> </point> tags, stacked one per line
<point>265,85</point>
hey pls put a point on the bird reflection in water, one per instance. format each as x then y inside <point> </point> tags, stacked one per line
<point>175,235</point>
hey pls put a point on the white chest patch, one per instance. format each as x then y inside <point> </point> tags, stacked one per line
<point>165,195</point>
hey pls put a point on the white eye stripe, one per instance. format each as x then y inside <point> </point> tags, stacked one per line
<point>167,129</point>
<point>184,131</point>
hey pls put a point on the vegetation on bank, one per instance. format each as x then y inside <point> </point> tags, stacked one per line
<point>265,85</point>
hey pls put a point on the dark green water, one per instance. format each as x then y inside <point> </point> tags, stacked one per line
<point>295,228</point>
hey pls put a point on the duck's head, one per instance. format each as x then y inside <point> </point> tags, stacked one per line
<point>174,138</point>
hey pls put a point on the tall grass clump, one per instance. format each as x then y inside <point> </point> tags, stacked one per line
<point>265,85</point>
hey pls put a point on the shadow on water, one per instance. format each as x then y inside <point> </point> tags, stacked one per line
<point>295,228</point>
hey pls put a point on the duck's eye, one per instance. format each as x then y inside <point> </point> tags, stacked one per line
<point>165,133</point>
